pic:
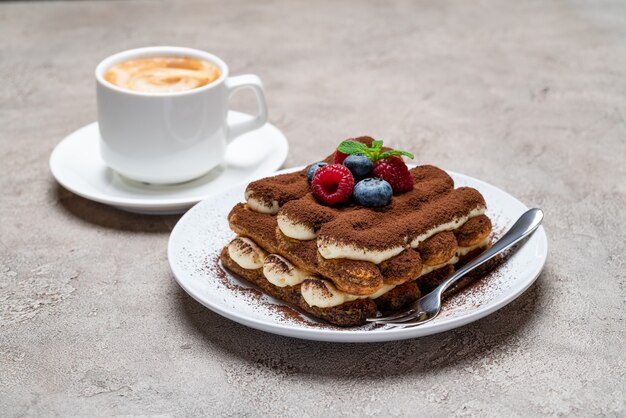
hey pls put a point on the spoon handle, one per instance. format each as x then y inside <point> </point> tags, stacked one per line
<point>525,226</point>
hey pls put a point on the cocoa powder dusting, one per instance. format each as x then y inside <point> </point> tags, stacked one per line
<point>475,285</point>
<point>401,268</point>
<point>314,217</point>
<point>259,227</point>
<point>438,249</point>
<point>473,231</point>
<point>432,201</point>
<point>302,254</point>
<point>215,267</point>
<point>290,295</point>
<point>281,188</point>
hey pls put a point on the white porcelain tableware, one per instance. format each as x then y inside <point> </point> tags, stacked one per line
<point>170,137</point>
<point>200,235</point>
<point>76,164</point>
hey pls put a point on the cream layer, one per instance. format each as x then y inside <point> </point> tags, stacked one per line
<point>448,226</point>
<point>331,249</point>
<point>461,251</point>
<point>259,205</point>
<point>280,272</point>
<point>315,290</point>
<point>246,253</point>
<point>294,230</point>
<point>324,294</point>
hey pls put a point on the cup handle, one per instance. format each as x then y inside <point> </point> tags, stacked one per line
<point>253,82</point>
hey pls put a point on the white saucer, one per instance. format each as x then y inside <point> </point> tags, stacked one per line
<point>76,164</point>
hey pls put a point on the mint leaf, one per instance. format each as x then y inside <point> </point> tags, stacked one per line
<point>352,147</point>
<point>373,152</point>
<point>395,152</point>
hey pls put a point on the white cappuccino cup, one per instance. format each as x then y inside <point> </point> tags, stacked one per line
<point>170,137</point>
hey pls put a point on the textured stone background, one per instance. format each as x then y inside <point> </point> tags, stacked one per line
<point>529,96</point>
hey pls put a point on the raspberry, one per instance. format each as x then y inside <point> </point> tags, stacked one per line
<point>339,157</point>
<point>394,171</point>
<point>332,184</point>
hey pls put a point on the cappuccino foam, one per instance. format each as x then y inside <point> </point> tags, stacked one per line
<point>162,74</point>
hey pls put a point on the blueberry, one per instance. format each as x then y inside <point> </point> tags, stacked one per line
<point>372,192</point>
<point>360,165</point>
<point>312,169</point>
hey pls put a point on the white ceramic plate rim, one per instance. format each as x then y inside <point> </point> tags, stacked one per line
<point>279,158</point>
<point>539,240</point>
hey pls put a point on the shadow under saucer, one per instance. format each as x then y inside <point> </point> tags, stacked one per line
<point>111,217</point>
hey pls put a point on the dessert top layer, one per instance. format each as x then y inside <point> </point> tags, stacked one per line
<point>373,234</point>
<point>278,190</point>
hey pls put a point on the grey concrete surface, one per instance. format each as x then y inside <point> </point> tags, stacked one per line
<point>529,96</point>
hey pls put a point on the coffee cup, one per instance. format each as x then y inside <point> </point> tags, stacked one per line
<point>153,135</point>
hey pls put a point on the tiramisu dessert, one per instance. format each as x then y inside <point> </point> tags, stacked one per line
<point>356,233</point>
